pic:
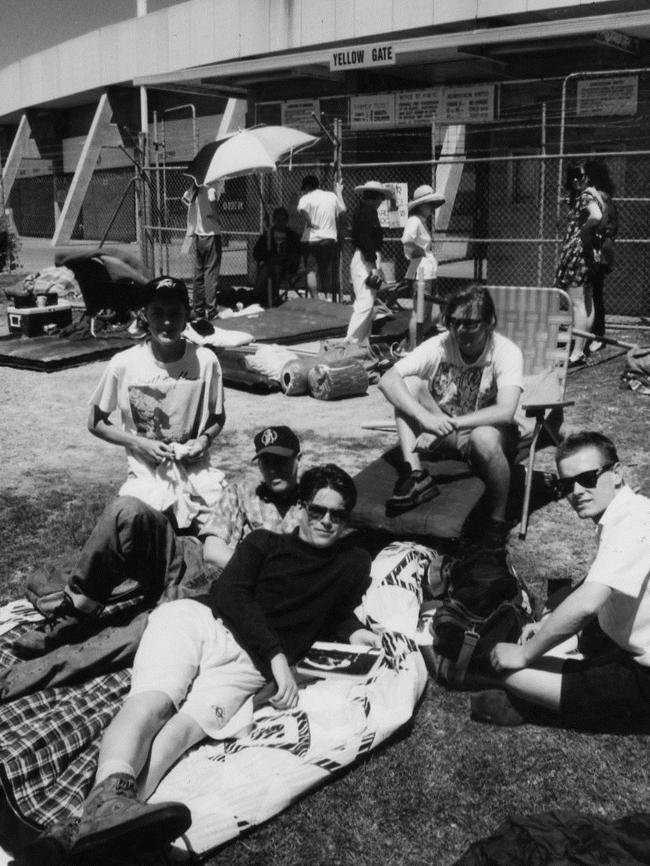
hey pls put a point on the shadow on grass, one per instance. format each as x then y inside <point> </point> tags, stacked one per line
<point>47,527</point>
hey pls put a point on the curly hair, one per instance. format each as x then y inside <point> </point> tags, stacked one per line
<point>327,476</point>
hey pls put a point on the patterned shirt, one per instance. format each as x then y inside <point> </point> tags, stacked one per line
<point>244,506</point>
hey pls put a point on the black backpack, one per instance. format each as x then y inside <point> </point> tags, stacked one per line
<point>486,603</point>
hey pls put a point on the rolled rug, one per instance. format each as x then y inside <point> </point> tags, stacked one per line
<point>331,382</point>
<point>293,379</point>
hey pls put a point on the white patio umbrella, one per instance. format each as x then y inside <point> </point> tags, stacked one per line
<point>257,150</point>
<point>252,151</point>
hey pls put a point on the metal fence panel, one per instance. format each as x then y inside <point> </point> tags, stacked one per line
<point>505,226</point>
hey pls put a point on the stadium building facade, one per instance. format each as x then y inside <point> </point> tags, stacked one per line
<point>489,99</point>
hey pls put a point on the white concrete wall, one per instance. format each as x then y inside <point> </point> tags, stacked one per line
<point>210,31</point>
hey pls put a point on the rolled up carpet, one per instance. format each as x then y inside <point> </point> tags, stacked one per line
<point>331,382</point>
<point>293,379</point>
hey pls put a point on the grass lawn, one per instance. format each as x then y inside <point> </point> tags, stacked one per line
<point>448,781</point>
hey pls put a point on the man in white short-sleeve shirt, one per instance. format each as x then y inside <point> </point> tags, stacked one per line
<point>321,209</point>
<point>609,610</point>
<point>456,394</point>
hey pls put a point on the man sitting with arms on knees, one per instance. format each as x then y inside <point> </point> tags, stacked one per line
<point>610,609</point>
<point>456,394</point>
<point>246,505</point>
<point>201,660</point>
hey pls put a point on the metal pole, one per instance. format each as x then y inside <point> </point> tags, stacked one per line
<point>158,211</point>
<point>542,190</point>
<point>165,233</point>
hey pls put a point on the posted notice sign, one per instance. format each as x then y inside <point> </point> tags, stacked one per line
<point>600,97</point>
<point>358,56</point>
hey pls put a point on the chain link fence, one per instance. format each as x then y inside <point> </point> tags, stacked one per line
<point>503,221</point>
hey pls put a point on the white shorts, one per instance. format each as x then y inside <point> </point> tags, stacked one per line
<point>195,660</point>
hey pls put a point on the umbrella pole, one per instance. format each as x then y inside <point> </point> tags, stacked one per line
<point>267,229</point>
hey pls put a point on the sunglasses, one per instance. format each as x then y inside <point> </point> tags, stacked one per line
<point>466,324</point>
<point>318,512</point>
<point>588,479</point>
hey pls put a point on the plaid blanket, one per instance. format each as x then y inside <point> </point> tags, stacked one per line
<point>49,742</point>
<point>49,739</point>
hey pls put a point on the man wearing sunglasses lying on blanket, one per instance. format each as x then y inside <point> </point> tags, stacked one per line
<point>609,610</point>
<point>201,660</point>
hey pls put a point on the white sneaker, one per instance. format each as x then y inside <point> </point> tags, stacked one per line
<point>596,346</point>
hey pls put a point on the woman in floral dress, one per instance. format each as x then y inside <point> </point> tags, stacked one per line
<point>573,270</point>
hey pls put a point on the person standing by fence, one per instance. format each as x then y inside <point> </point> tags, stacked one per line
<point>365,268</point>
<point>573,273</point>
<point>601,244</point>
<point>321,209</point>
<point>203,225</point>
<point>417,242</point>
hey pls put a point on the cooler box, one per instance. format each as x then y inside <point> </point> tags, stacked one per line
<point>31,321</point>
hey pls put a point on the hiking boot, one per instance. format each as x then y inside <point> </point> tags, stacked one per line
<point>64,624</point>
<point>113,815</point>
<point>52,847</point>
<point>411,490</point>
<point>495,707</point>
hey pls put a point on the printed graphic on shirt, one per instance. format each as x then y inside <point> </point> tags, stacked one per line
<point>166,410</point>
<point>459,390</point>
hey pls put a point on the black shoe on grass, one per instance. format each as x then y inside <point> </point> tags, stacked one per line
<point>411,490</point>
<point>495,707</point>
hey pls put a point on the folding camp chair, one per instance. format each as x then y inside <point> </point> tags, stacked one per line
<point>540,322</point>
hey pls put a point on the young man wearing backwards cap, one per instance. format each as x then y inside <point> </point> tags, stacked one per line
<point>365,267</point>
<point>167,395</point>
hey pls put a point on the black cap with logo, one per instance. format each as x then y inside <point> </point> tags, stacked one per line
<point>276,440</point>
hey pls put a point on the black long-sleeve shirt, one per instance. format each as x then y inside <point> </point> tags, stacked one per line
<point>279,594</point>
<point>366,232</point>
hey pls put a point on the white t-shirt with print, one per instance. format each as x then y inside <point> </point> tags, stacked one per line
<point>458,387</point>
<point>322,208</point>
<point>416,232</point>
<point>623,563</point>
<point>166,402</point>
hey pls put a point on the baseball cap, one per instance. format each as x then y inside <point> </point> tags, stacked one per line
<point>276,440</point>
<point>166,287</point>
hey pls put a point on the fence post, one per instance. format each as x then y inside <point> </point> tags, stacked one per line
<point>542,190</point>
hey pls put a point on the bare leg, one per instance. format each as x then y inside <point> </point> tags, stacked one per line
<point>540,687</point>
<point>583,315</point>
<point>129,736</point>
<point>408,428</point>
<point>178,735</point>
<point>489,458</point>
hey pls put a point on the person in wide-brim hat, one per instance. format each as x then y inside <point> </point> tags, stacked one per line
<point>426,194</point>
<point>374,186</point>
<point>367,236</point>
